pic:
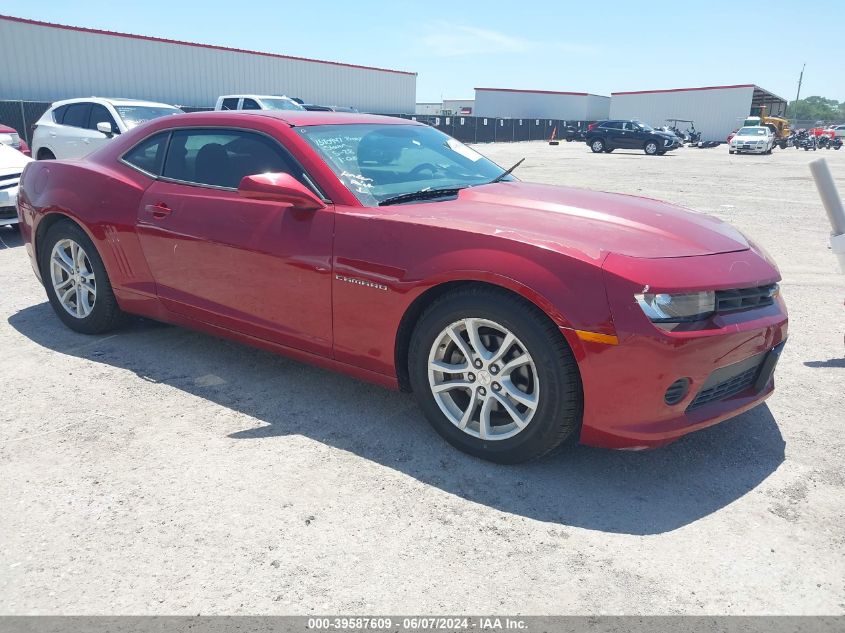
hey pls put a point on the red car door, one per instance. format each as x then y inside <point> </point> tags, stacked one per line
<point>253,266</point>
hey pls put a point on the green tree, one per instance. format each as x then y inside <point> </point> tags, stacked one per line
<point>816,109</point>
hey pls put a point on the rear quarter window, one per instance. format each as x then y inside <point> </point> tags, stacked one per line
<point>148,155</point>
<point>77,115</point>
<point>59,113</point>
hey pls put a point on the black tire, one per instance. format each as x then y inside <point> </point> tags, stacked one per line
<point>45,154</point>
<point>597,145</point>
<point>106,315</point>
<point>651,148</point>
<point>558,414</point>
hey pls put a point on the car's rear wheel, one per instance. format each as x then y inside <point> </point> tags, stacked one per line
<point>76,280</point>
<point>597,145</point>
<point>494,376</point>
<point>651,148</point>
<point>45,154</point>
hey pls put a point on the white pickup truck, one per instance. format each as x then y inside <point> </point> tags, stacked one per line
<point>256,102</point>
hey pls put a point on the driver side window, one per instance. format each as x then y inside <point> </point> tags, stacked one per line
<point>222,157</point>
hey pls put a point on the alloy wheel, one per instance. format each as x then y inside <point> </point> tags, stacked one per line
<point>73,278</point>
<point>483,379</point>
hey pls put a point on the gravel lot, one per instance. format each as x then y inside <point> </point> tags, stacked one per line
<point>163,471</point>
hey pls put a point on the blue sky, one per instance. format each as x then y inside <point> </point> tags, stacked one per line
<point>454,47</point>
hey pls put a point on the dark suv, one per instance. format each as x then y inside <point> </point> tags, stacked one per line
<point>610,135</point>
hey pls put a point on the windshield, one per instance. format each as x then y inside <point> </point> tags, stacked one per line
<point>281,104</point>
<point>752,131</point>
<point>377,162</point>
<point>135,115</point>
<point>644,126</point>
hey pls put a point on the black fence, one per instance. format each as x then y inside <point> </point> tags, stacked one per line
<point>475,129</point>
<point>21,115</point>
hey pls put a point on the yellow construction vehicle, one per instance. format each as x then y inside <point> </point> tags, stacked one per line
<point>779,126</point>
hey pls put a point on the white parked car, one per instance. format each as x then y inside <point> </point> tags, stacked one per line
<point>838,130</point>
<point>12,163</point>
<point>256,102</point>
<point>752,139</point>
<point>76,127</point>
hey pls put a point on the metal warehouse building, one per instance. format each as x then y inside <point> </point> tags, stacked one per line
<point>716,110</point>
<point>48,62</point>
<point>543,104</point>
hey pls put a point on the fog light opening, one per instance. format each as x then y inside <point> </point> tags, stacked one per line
<point>677,391</point>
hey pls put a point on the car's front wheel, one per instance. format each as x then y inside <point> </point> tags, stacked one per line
<point>494,376</point>
<point>597,145</point>
<point>76,280</point>
<point>651,148</point>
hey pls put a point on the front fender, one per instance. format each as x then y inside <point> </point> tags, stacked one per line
<point>373,293</point>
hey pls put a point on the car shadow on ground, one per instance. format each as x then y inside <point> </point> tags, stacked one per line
<point>10,237</point>
<point>833,362</point>
<point>614,491</point>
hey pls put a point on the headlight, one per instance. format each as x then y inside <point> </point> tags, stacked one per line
<point>677,308</point>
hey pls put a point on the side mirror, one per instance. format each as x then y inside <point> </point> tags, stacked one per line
<point>106,128</point>
<point>282,188</point>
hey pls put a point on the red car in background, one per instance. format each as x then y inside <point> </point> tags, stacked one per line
<point>521,315</point>
<point>820,131</point>
<point>10,136</point>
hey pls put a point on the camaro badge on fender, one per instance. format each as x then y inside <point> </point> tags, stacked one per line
<point>361,282</point>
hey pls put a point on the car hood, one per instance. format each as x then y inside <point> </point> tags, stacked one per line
<point>11,160</point>
<point>579,222</point>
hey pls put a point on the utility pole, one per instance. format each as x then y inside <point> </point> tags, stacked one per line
<point>800,79</point>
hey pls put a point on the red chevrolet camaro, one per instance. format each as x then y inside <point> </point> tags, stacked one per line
<point>521,315</point>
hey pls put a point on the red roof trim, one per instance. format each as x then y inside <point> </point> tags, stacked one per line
<point>647,92</point>
<point>542,92</point>
<point>148,38</point>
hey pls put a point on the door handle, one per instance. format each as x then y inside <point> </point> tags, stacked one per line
<point>159,210</point>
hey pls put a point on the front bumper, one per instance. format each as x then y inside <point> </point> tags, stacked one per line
<point>749,149</point>
<point>730,361</point>
<point>8,212</point>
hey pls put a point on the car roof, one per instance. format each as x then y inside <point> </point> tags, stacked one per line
<point>111,101</point>
<point>297,118</point>
<point>252,96</point>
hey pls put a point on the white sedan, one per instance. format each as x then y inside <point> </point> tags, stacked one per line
<point>752,139</point>
<point>76,127</point>
<point>12,163</point>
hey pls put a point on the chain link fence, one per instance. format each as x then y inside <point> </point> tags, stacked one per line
<point>21,115</point>
<point>797,124</point>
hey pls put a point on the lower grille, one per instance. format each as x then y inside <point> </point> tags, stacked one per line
<point>728,381</point>
<point>726,389</point>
